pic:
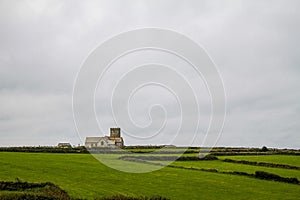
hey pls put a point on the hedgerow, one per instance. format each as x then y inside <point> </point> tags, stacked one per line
<point>265,164</point>
<point>170,158</point>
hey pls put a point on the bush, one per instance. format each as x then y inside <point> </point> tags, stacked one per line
<point>46,149</point>
<point>264,149</point>
<point>265,164</point>
<point>275,177</point>
<point>168,158</point>
<point>44,191</point>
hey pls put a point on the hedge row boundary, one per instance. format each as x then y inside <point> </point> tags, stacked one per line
<point>265,164</point>
<point>258,174</point>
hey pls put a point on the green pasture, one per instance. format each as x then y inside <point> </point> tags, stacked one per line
<point>82,176</point>
<point>225,166</point>
<point>280,159</point>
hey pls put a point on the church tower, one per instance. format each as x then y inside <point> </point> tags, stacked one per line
<point>115,132</point>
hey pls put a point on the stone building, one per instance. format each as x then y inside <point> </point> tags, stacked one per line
<point>113,141</point>
<point>64,145</point>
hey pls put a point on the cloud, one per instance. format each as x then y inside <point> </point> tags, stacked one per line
<point>255,45</point>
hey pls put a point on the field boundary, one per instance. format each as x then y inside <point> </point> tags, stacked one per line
<point>216,151</point>
<point>258,174</point>
<point>264,164</point>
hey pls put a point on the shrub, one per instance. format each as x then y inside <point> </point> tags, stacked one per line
<point>265,164</point>
<point>44,191</point>
<point>264,149</point>
<point>168,158</point>
<point>275,177</point>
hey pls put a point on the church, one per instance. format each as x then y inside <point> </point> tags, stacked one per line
<point>113,141</point>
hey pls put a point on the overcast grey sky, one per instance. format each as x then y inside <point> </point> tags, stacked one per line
<point>254,43</point>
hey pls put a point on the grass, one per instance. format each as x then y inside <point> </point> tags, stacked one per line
<point>280,159</point>
<point>24,190</point>
<point>225,166</point>
<point>82,176</point>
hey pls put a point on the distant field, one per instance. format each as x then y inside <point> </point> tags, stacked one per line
<point>82,176</point>
<point>281,159</point>
<point>224,166</point>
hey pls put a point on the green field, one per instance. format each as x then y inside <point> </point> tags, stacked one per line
<point>82,176</point>
<point>281,159</point>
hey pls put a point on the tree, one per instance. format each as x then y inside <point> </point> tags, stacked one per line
<point>264,149</point>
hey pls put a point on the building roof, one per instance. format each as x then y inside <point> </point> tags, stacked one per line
<point>97,139</point>
<point>92,139</point>
<point>64,143</point>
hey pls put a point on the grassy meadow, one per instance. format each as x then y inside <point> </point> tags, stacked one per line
<point>82,176</point>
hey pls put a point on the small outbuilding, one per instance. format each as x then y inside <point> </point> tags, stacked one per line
<point>64,145</point>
